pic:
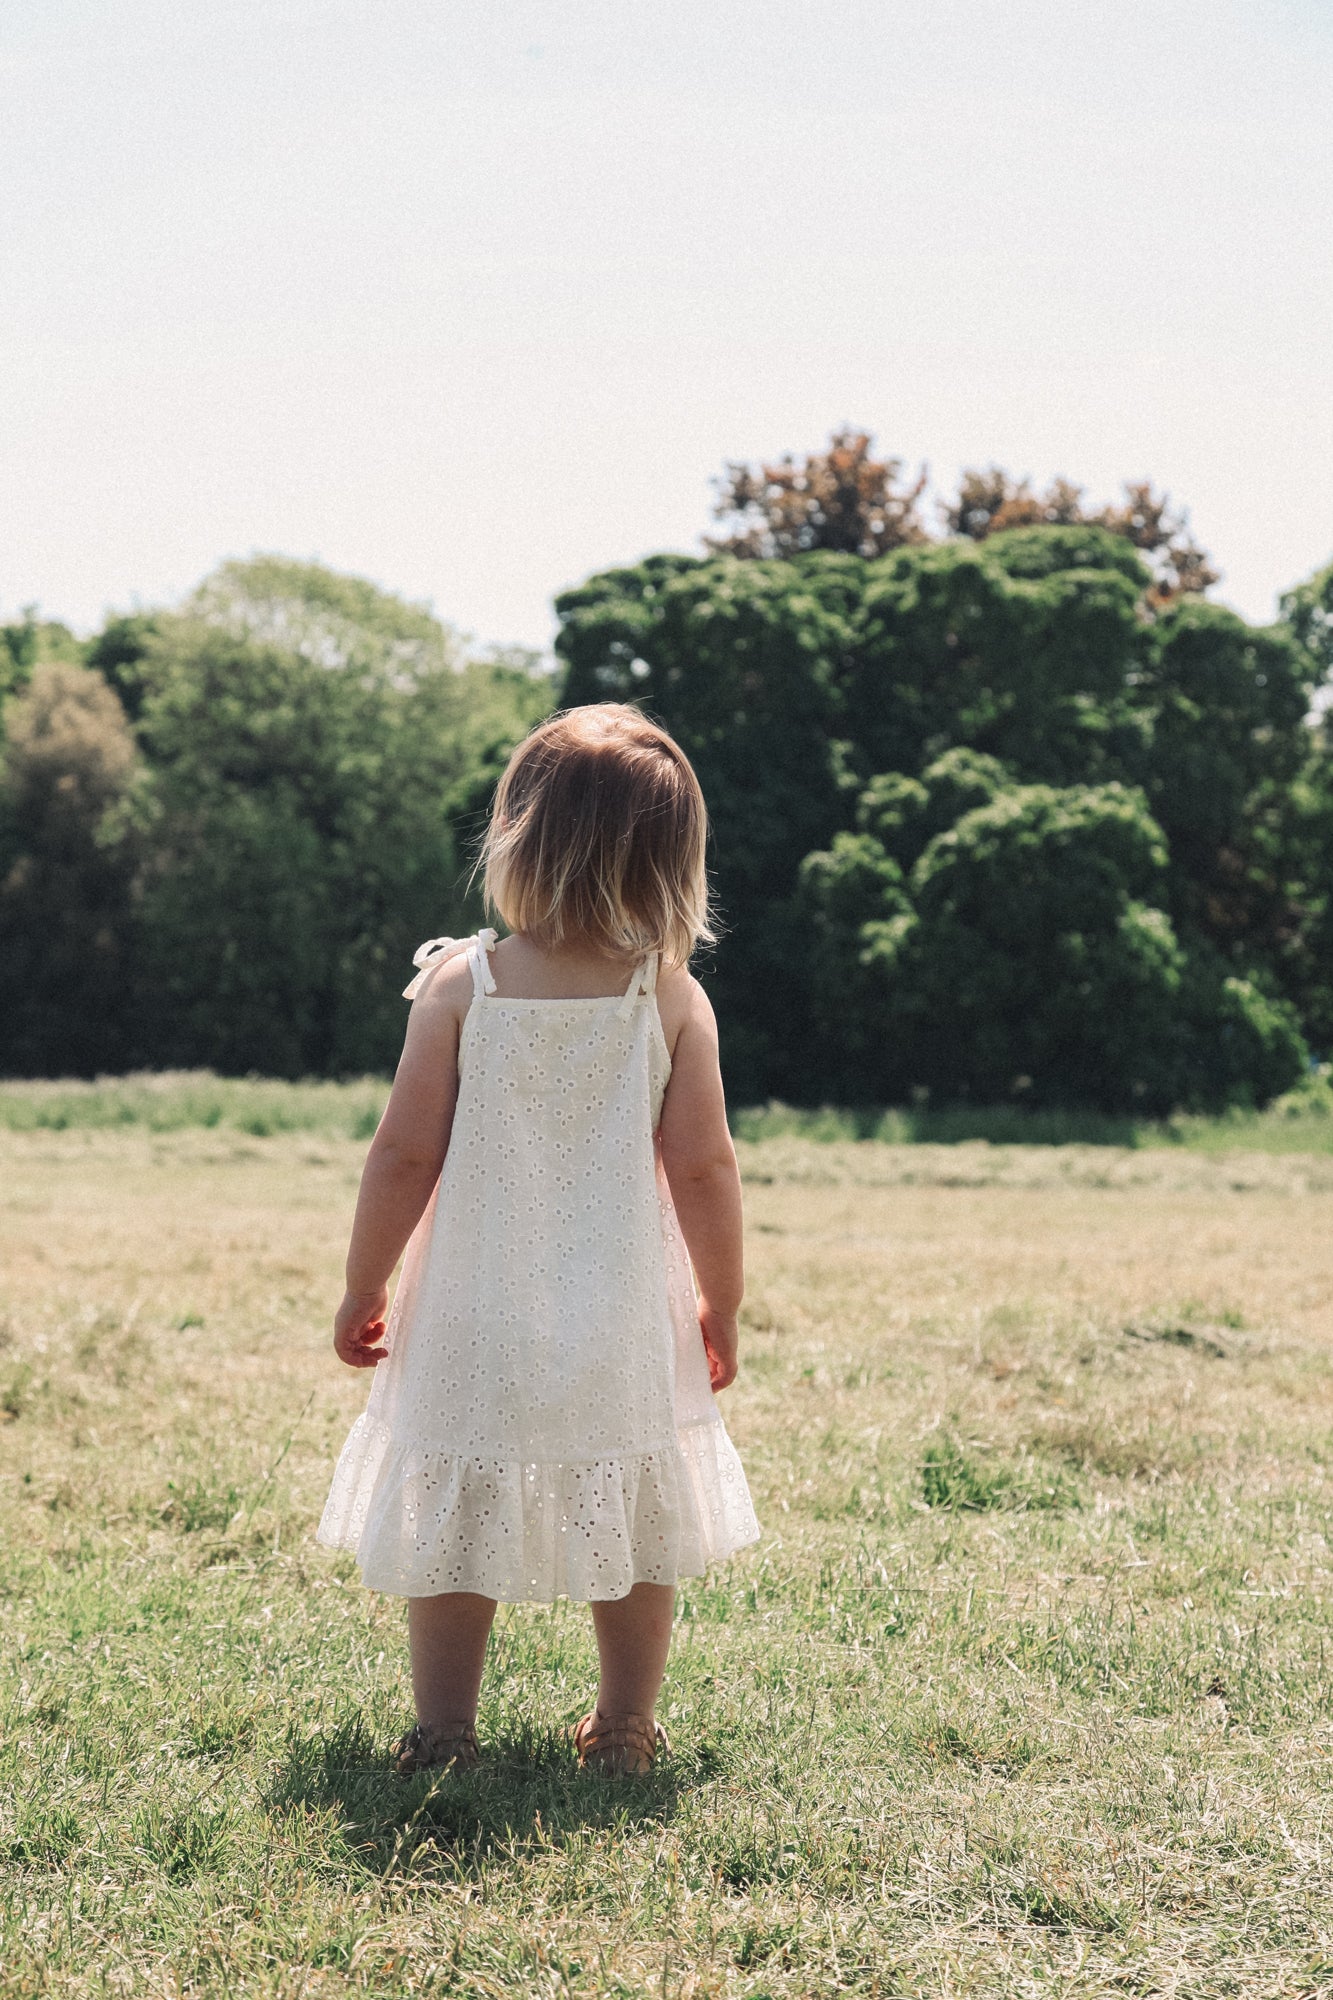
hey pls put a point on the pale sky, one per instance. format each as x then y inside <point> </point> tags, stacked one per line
<point>475,297</point>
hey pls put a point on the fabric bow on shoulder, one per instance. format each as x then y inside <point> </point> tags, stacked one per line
<point>436,952</point>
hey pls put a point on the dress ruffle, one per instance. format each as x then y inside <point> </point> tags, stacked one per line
<point>420,1522</point>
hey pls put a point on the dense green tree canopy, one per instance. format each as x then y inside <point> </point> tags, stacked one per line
<point>241,818</point>
<point>1006,815</point>
<point>814,694</point>
<point>314,749</point>
<point>66,867</point>
<point>28,642</point>
<point>1008,941</point>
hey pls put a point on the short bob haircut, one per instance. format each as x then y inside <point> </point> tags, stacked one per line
<point>597,838</point>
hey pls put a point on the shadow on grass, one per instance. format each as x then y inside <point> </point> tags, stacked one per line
<point>526,1795</point>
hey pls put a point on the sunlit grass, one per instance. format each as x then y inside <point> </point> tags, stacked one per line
<point>179,1100</point>
<point>1025,1690</point>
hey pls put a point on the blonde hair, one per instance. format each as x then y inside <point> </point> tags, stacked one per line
<point>597,836</point>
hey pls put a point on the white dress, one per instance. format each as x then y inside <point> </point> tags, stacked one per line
<point>543,1425</point>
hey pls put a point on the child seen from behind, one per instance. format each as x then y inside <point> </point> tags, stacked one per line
<point>554,1156</point>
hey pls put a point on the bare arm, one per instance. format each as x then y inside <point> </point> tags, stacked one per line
<point>701,1171</point>
<point>403,1163</point>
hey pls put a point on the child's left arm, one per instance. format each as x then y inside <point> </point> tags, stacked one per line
<point>403,1164</point>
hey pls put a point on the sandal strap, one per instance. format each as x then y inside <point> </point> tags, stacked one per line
<point>620,1742</point>
<point>438,1743</point>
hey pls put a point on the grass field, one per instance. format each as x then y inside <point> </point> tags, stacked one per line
<point>187,1100</point>
<point>1025,1691</point>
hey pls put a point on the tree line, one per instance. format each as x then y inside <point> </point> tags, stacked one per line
<point>1007,812</point>
<point>224,829</point>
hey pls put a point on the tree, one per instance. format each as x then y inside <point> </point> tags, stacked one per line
<point>840,499</point>
<point>1026,649</point>
<point>67,859</point>
<point>844,499</point>
<point>1308,612</point>
<point>990,502</point>
<point>120,653</point>
<point>1032,648</point>
<point>745,663</point>
<point>1023,952</point>
<point>1299,825</point>
<point>804,688</point>
<point>302,813</point>
<point>27,643</point>
<point>1224,704</point>
<point>223,842</point>
<point>1304,945</point>
<point>331,620</point>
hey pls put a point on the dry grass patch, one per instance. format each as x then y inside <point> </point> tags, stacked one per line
<point>1026,1689</point>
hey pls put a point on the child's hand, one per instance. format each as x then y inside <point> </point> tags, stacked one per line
<point>358,1328</point>
<point>721,1344</point>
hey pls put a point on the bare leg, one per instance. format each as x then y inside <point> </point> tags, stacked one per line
<point>448,1635</point>
<point>633,1639</point>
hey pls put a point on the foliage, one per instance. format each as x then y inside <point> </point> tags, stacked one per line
<point>1305,859</point>
<point>1226,703</point>
<point>120,653</point>
<point>1026,649</point>
<point>306,763</point>
<point>1308,611</point>
<point>845,499</point>
<point>840,499</point>
<point>241,877</point>
<point>317,615</point>
<point>815,694</point>
<point>66,866</point>
<point>992,502</point>
<point>1026,953</point>
<point>300,839</point>
<point>29,642</point>
<point>744,663</point>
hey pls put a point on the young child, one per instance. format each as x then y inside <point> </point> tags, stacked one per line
<point>542,1420</point>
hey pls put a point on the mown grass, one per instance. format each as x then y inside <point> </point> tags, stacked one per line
<point>182,1100</point>
<point>1026,1689</point>
<point>1300,1122</point>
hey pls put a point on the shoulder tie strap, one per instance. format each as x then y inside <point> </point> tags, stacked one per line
<point>479,958</point>
<point>644,982</point>
<point>436,952</point>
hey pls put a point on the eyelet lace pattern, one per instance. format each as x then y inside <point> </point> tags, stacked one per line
<point>543,1425</point>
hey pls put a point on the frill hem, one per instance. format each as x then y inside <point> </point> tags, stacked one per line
<point>421,1522</point>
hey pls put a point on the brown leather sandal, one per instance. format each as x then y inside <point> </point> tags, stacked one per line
<point>625,1745</point>
<point>428,1746</point>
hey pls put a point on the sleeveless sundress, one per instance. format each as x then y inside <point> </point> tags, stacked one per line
<point>543,1425</point>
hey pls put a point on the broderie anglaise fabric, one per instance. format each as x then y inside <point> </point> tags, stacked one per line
<point>543,1425</point>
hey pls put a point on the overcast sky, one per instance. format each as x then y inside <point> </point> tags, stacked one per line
<point>475,297</point>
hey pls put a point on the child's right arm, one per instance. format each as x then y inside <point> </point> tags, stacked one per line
<point>403,1163</point>
<point>705,1183</point>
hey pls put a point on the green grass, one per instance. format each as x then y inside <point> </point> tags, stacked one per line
<point>1300,1122</point>
<point>1028,1688</point>
<point>180,1100</point>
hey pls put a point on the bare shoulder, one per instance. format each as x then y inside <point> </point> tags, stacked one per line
<point>439,1008</point>
<point>682,1003</point>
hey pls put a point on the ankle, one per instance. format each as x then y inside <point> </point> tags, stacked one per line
<point>623,1711</point>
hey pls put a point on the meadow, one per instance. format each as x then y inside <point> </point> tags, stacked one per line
<point>1026,1689</point>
